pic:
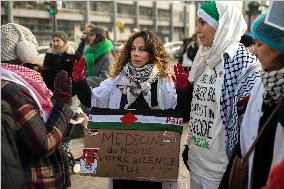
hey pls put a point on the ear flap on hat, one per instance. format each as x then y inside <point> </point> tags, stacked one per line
<point>26,50</point>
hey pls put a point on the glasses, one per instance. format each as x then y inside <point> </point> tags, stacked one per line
<point>138,49</point>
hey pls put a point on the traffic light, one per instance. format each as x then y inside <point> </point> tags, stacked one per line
<point>53,8</point>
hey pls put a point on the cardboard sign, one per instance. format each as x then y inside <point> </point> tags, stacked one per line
<point>134,145</point>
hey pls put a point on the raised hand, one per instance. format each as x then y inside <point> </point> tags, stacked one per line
<point>181,77</point>
<point>79,72</point>
<point>63,87</point>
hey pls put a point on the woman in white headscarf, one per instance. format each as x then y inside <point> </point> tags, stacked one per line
<point>222,76</point>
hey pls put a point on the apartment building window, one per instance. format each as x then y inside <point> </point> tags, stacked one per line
<point>34,24</point>
<point>181,16</point>
<point>164,14</point>
<point>4,16</point>
<point>73,5</point>
<point>41,28</point>
<point>35,5</point>
<point>102,7</point>
<point>124,9</point>
<point>146,27</point>
<point>146,12</point>
<point>67,27</point>
<point>4,19</point>
<point>110,27</point>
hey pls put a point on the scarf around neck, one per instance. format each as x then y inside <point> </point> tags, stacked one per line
<point>231,27</point>
<point>93,53</point>
<point>32,79</point>
<point>273,82</point>
<point>66,48</point>
<point>137,81</point>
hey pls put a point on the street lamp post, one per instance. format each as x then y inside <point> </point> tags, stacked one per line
<point>253,11</point>
<point>115,29</point>
<point>10,12</point>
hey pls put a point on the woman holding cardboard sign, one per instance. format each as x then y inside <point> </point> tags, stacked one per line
<point>140,79</point>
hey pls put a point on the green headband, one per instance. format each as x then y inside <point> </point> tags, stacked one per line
<point>209,13</point>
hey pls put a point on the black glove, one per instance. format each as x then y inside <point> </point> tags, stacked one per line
<point>63,87</point>
<point>185,156</point>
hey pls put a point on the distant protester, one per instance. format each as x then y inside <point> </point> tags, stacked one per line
<point>133,31</point>
<point>84,38</point>
<point>188,51</point>
<point>249,42</point>
<point>61,56</point>
<point>98,56</point>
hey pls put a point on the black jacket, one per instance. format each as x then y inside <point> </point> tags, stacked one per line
<point>190,50</point>
<point>53,63</point>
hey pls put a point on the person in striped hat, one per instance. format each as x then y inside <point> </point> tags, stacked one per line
<point>222,76</point>
<point>40,124</point>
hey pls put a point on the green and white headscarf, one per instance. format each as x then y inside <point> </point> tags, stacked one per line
<point>230,26</point>
<point>209,13</point>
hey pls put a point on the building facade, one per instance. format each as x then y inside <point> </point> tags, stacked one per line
<point>171,20</point>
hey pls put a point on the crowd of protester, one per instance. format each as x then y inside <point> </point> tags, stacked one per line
<point>229,85</point>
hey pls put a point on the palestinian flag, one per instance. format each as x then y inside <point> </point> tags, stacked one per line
<point>148,120</point>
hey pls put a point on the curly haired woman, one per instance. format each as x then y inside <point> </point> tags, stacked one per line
<point>140,79</point>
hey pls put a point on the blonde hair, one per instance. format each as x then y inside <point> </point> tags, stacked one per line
<point>154,47</point>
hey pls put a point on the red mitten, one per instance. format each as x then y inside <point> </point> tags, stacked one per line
<point>63,87</point>
<point>181,77</point>
<point>79,72</point>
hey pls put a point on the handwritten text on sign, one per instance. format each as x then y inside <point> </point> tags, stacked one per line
<point>136,154</point>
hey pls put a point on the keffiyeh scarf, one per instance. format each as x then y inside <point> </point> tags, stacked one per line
<point>137,81</point>
<point>33,80</point>
<point>273,82</point>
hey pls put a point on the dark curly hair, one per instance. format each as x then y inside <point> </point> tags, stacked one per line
<point>154,47</point>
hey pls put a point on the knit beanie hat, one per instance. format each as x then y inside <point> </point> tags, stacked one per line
<point>209,13</point>
<point>60,34</point>
<point>247,40</point>
<point>18,42</point>
<point>270,35</point>
<point>98,30</point>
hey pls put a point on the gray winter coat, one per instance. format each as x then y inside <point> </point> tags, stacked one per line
<point>101,68</point>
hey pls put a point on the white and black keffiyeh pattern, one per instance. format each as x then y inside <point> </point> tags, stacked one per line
<point>137,81</point>
<point>137,75</point>
<point>273,82</point>
<point>240,76</point>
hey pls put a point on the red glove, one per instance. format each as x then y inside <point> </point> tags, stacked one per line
<point>79,72</point>
<point>63,87</point>
<point>181,77</point>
